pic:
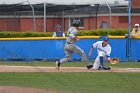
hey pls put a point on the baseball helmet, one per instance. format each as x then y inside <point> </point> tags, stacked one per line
<point>106,38</point>
<point>76,23</point>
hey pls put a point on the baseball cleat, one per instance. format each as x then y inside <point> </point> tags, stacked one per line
<point>89,66</point>
<point>57,65</point>
<point>106,68</point>
<point>100,67</point>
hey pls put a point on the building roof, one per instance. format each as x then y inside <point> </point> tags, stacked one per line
<point>39,7</point>
<point>69,10</point>
<point>65,2</point>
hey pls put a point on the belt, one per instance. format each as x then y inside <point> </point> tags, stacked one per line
<point>69,43</point>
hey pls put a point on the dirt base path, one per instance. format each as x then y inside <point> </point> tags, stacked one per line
<point>9,89</point>
<point>4,68</point>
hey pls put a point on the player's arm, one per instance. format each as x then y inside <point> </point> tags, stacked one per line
<point>54,34</point>
<point>92,48</point>
<point>74,37</point>
<point>90,52</point>
<point>138,34</point>
<point>77,39</point>
<point>108,58</point>
<point>63,34</point>
<point>108,54</point>
<point>132,33</point>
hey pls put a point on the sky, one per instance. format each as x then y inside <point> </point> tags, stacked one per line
<point>63,1</point>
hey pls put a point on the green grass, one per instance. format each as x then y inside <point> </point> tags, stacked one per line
<point>75,82</point>
<point>127,65</point>
<point>70,64</point>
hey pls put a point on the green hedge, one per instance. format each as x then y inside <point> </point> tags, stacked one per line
<point>25,34</point>
<point>99,32</point>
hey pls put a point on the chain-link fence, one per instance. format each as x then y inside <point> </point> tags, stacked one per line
<point>19,17</point>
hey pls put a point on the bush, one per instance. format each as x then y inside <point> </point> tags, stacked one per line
<point>25,34</point>
<point>99,32</point>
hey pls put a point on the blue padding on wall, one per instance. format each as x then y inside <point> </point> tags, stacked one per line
<point>38,49</point>
<point>135,49</point>
<point>54,49</point>
<point>118,48</point>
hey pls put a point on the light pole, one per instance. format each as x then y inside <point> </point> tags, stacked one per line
<point>34,21</point>
<point>109,13</point>
<point>129,28</point>
<point>129,17</point>
<point>97,8</point>
<point>128,49</point>
<point>44,17</point>
<point>63,21</point>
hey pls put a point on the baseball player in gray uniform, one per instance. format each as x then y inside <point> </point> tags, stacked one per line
<point>71,47</point>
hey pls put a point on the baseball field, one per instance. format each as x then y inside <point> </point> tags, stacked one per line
<point>73,77</point>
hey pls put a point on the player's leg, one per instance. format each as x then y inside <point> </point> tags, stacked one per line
<point>96,63</point>
<point>66,59</point>
<point>99,62</point>
<point>68,56</point>
<point>101,56</point>
<point>81,53</point>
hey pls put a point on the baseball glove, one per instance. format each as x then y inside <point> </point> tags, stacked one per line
<point>114,61</point>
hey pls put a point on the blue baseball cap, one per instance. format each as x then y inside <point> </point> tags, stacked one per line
<point>106,38</point>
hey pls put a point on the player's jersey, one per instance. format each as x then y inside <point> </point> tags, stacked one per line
<point>74,31</point>
<point>100,48</point>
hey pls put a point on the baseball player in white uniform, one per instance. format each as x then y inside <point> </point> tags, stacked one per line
<point>71,47</point>
<point>103,50</point>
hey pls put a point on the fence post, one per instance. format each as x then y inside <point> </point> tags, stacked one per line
<point>129,28</point>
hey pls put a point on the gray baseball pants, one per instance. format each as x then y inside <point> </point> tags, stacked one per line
<point>69,49</point>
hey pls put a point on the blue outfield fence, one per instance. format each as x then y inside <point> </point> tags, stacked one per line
<point>46,49</point>
<point>135,49</point>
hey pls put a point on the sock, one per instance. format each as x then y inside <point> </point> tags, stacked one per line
<point>102,61</point>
